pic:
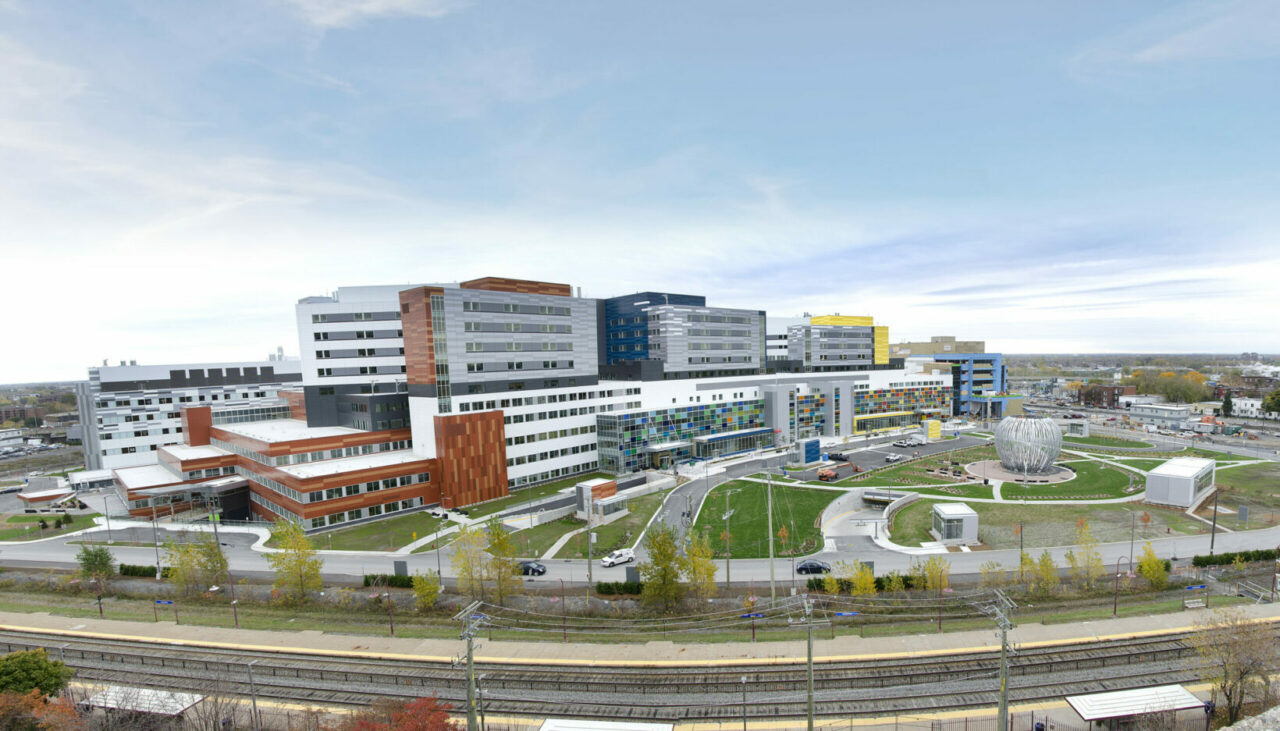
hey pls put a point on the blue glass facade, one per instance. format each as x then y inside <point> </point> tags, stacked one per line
<point>980,373</point>
<point>626,324</point>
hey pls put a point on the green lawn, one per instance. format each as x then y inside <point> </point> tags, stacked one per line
<point>1257,486</point>
<point>798,508</point>
<point>530,493</point>
<point>1145,465</point>
<point>23,527</point>
<point>387,534</point>
<point>535,541</point>
<point>1094,481</point>
<point>621,533</point>
<point>1048,525</point>
<point>1100,441</point>
<point>976,491</point>
<point>917,472</point>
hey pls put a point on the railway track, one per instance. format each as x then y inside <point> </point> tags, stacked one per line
<point>846,688</point>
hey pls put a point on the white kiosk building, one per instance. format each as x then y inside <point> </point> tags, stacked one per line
<point>1178,481</point>
<point>955,524</point>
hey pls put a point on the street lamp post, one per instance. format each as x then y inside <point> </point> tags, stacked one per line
<point>744,703</point>
<point>1115,602</point>
<point>391,622</point>
<point>253,696</point>
<point>235,612</point>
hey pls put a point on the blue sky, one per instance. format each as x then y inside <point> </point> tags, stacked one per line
<point>1049,177</point>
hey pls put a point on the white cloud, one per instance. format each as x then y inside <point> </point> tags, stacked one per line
<point>1192,32</point>
<point>347,13</point>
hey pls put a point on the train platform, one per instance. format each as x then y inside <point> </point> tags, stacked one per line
<point>653,653</point>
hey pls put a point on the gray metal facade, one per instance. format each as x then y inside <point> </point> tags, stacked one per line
<point>500,341</point>
<point>704,339</point>
<point>824,346</point>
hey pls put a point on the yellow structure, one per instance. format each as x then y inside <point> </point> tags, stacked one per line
<point>881,344</point>
<point>847,320</point>
<point>933,429</point>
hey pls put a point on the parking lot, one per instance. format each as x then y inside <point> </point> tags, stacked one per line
<point>871,458</point>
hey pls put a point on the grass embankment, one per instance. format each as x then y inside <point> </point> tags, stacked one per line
<point>530,493</point>
<point>1146,465</point>
<point>1100,441</point>
<point>926,470</point>
<point>797,508</point>
<point>1047,525</point>
<point>356,615</point>
<point>387,534</point>
<point>25,527</point>
<point>621,533</point>
<point>1256,486</point>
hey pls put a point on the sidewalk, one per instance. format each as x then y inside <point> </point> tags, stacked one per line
<point>653,653</point>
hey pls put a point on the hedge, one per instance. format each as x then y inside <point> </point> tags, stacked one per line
<point>612,588</point>
<point>1222,559</point>
<point>817,583</point>
<point>127,569</point>
<point>393,580</point>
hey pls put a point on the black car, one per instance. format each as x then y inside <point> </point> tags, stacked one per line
<point>532,568</point>
<point>460,510</point>
<point>813,567</point>
<point>838,457</point>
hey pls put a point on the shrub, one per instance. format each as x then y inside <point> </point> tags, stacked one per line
<point>391,580</point>
<point>616,588</point>
<point>1223,559</point>
<point>147,572</point>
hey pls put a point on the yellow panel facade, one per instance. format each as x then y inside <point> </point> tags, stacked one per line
<point>881,344</point>
<point>847,320</point>
<point>933,429</point>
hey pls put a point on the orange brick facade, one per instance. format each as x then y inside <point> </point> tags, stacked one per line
<point>472,454</point>
<point>297,401</point>
<point>523,286</point>
<point>196,421</point>
<point>419,340</point>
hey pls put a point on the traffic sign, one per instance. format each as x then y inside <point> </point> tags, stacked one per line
<point>163,601</point>
<point>1198,586</point>
<point>753,615</point>
<point>846,614</point>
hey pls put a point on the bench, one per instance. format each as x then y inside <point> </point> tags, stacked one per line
<point>1193,604</point>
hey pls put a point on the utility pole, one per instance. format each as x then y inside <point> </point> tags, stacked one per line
<point>471,621</point>
<point>728,537</point>
<point>773,590</point>
<point>1213,531</point>
<point>999,611</point>
<point>808,620</point>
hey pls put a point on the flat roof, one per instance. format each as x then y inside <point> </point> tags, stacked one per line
<point>46,494</point>
<point>147,475</point>
<point>953,510</point>
<point>731,434</point>
<point>351,464</point>
<point>88,476</point>
<point>285,430</point>
<point>596,481</point>
<point>143,700</point>
<point>185,452</point>
<point>666,446</point>
<point>1183,467</point>
<point>1164,407</point>
<point>1136,702</point>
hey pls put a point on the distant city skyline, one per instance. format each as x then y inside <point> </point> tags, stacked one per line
<point>1057,179</point>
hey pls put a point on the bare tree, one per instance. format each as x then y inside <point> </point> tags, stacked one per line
<point>1240,653</point>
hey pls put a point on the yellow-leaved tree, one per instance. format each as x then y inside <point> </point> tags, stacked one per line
<point>699,568</point>
<point>295,562</point>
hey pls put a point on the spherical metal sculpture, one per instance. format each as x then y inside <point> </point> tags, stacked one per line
<point>1028,445</point>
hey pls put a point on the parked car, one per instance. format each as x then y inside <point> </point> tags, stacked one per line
<point>838,457</point>
<point>532,568</point>
<point>622,555</point>
<point>893,458</point>
<point>813,567</point>
<point>460,510</point>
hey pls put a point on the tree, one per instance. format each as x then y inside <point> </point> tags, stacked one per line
<point>1239,654</point>
<point>1151,568</point>
<point>28,670</point>
<point>420,714</point>
<point>993,575</point>
<point>502,566</point>
<point>426,588</point>
<point>35,712</point>
<point>1026,567</point>
<point>295,562</point>
<point>1087,565</point>
<point>1271,404</point>
<point>864,581</point>
<point>1045,579</point>
<point>96,564</point>
<point>932,573</point>
<point>661,573</point>
<point>468,561</point>
<point>196,565</point>
<point>699,567</point>
<point>1228,405</point>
